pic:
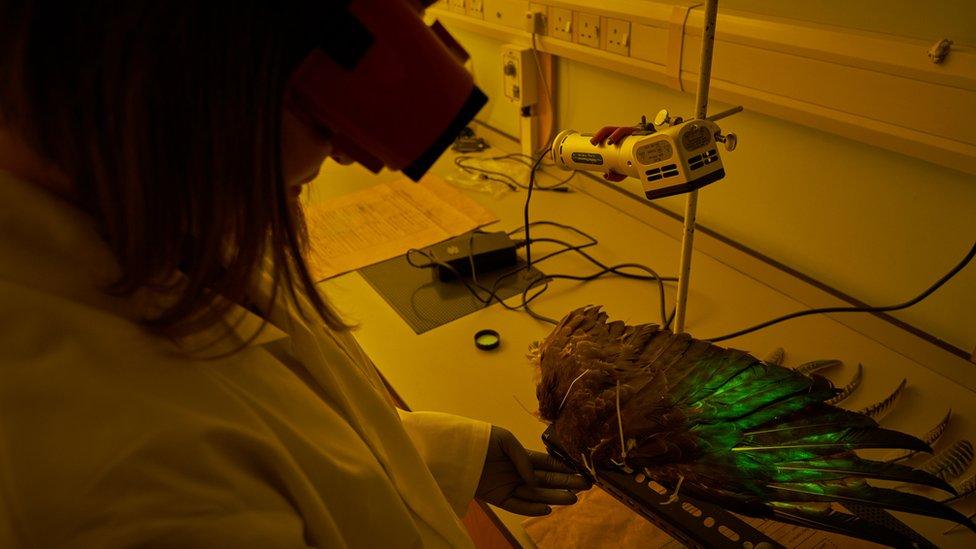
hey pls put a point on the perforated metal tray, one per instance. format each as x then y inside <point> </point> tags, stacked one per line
<point>692,522</point>
<point>697,523</point>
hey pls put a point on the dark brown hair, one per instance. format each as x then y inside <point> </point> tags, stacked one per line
<point>166,115</point>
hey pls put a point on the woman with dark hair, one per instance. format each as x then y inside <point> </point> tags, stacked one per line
<point>169,374</point>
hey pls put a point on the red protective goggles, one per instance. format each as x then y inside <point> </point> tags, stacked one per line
<point>390,90</point>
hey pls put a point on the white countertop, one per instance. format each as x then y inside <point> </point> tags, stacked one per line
<point>442,370</point>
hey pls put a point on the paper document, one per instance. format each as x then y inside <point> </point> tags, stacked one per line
<point>386,220</point>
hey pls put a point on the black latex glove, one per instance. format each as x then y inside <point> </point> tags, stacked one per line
<point>525,482</point>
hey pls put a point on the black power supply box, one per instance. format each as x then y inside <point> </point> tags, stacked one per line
<point>488,252</point>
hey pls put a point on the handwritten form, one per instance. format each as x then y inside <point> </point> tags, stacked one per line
<point>386,220</point>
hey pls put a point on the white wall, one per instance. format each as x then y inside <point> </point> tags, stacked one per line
<point>873,224</point>
<point>924,19</point>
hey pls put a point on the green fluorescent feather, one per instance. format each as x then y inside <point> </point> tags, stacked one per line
<point>868,495</point>
<point>818,418</point>
<point>843,439</point>
<point>830,469</point>
<point>746,434</point>
<point>766,413</point>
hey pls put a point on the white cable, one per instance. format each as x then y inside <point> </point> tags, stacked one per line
<point>681,47</point>
<point>570,389</point>
<point>545,86</point>
<point>620,425</point>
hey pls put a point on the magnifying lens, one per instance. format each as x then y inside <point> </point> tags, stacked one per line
<point>487,340</point>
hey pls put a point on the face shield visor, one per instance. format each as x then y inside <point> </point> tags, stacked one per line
<point>389,90</point>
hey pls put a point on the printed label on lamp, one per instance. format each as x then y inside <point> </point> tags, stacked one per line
<point>655,152</point>
<point>695,137</point>
<point>587,158</point>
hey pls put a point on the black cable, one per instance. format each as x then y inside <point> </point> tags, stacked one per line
<point>525,211</point>
<point>474,271</point>
<point>865,309</point>
<point>434,261</point>
<point>525,159</point>
<point>539,260</point>
<point>605,269</point>
<point>665,319</point>
<point>500,177</point>
<point>476,289</point>
<point>461,162</point>
<point>615,269</point>
<point>525,302</point>
<point>495,287</point>
<point>548,223</point>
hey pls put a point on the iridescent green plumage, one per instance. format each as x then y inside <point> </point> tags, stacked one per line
<point>747,434</point>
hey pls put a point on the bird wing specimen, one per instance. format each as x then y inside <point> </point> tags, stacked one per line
<point>718,424</point>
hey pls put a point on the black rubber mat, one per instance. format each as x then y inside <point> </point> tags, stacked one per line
<point>424,302</point>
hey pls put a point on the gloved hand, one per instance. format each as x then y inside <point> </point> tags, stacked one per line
<point>612,134</point>
<point>525,482</point>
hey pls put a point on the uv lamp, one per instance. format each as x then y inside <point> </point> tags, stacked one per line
<point>672,160</point>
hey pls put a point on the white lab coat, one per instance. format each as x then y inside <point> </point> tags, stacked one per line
<point>110,437</point>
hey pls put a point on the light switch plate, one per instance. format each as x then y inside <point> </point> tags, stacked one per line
<point>519,75</point>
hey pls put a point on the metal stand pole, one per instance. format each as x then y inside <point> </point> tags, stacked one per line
<point>691,207</point>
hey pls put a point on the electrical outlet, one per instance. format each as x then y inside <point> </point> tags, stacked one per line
<point>616,33</point>
<point>587,29</point>
<point>457,5</point>
<point>519,75</point>
<point>476,9</point>
<point>561,24</point>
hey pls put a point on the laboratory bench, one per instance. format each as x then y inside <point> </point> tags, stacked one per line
<point>731,288</point>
